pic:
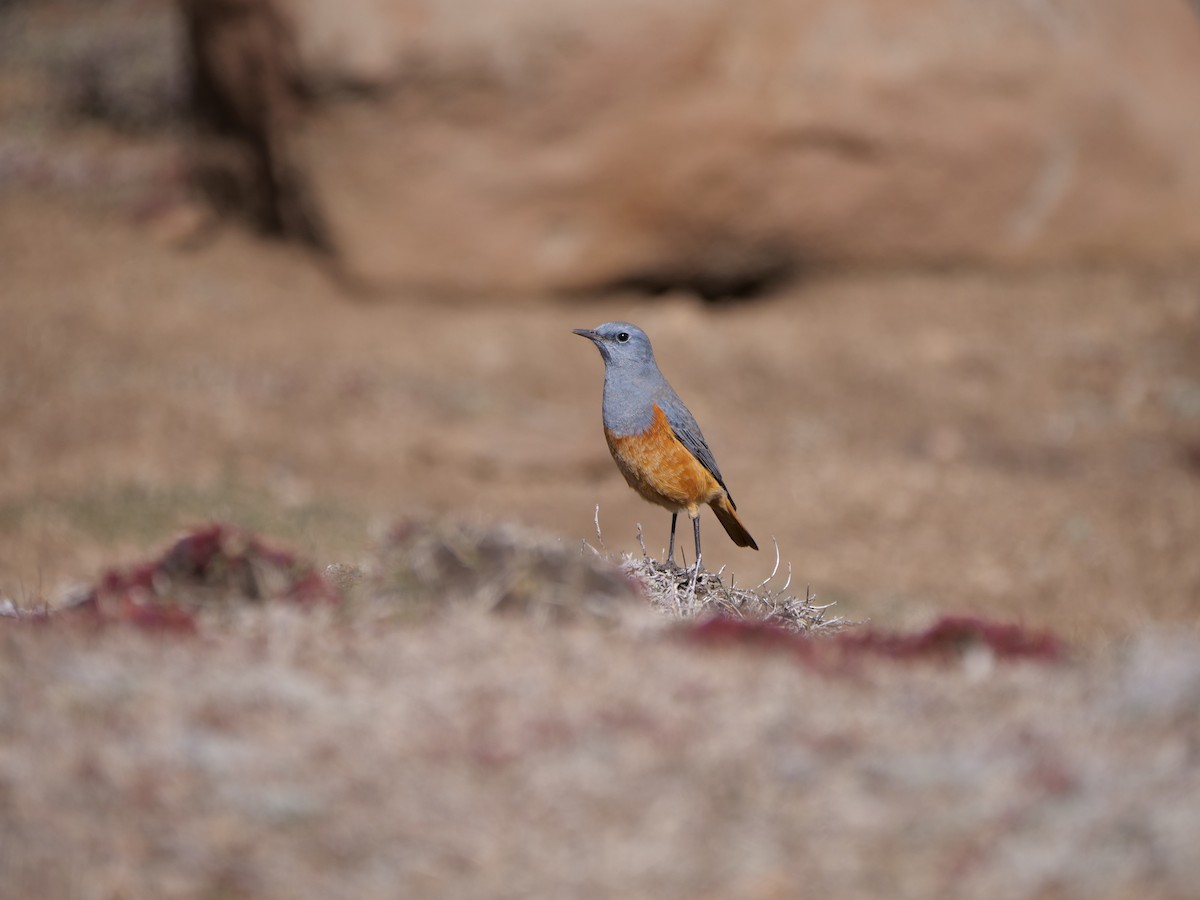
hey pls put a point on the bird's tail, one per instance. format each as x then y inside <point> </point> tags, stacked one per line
<point>728,517</point>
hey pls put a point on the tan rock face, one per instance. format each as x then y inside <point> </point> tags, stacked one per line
<point>719,146</point>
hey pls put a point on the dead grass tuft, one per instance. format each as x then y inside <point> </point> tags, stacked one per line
<point>695,594</point>
<point>698,596</point>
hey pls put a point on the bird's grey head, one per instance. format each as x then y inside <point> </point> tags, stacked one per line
<point>620,343</point>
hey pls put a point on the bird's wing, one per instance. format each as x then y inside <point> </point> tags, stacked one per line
<point>683,424</point>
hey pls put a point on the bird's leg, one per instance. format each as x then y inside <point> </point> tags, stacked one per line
<point>696,527</point>
<point>671,549</point>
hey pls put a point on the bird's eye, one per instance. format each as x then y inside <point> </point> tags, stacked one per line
<point>623,337</point>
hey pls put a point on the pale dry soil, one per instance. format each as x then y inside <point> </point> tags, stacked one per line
<point>287,753</point>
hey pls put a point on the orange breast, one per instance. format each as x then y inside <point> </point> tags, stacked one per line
<point>661,469</point>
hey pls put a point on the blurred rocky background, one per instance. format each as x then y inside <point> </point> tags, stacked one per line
<point>709,146</point>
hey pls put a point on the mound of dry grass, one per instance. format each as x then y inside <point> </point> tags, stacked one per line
<point>699,595</point>
<point>425,569</point>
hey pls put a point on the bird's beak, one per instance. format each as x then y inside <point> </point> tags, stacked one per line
<point>587,333</point>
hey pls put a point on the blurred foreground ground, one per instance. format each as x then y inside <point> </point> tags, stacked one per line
<point>292,753</point>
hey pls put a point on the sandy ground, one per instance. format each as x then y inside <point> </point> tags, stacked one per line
<point>1024,446</point>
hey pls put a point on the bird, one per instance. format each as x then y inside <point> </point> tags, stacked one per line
<point>654,438</point>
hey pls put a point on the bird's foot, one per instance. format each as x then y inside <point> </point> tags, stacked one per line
<point>689,572</point>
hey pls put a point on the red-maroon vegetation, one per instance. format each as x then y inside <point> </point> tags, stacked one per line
<point>950,637</point>
<point>214,564</point>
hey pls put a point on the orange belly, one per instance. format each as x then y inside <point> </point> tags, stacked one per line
<point>661,469</point>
